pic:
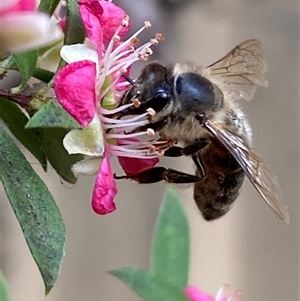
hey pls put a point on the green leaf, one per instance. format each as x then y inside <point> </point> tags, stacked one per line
<point>48,6</point>
<point>74,32</point>
<point>149,286</point>
<point>171,244</point>
<point>4,296</point>
<point>35,209</point>
<point>43,75</point>
<point>15,119</point>
<point>51,139</point>
<point>26,63</point>
<point>7,64</point>
<point>52,115</point>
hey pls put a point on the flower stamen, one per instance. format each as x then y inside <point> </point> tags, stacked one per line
<point>151,112</point>
<point>136,102</point>
<point>150,132</point>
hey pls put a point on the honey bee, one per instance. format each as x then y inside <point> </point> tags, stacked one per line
<point>199,109</point>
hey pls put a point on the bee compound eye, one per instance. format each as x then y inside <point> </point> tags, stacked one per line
<point>159,100</point>
<point>162,95</point>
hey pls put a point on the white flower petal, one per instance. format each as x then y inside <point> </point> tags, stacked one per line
<point>78,52</point>
<point>88,141</point>
<point>88,167</point>
<point>50,59</point>
<point>27,30</point>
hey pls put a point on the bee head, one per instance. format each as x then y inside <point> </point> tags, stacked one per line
<point>151,89</point>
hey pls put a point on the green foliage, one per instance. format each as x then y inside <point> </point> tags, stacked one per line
<point>35,209</point>
<point>26,63</point>
<point>171,248</point>
<point>75,32</point>
<point>43,75</point>
<point>15,119</point>
<point>149,286</point>
<point>4,296</point>
<point>43,134</point>
<point>170,257</point>
<point>52,115</point>
<point>48,6</point>
<point>59,158</point>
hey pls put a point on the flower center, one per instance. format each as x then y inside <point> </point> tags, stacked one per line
<point>124,134</point>
<point>125,137</point>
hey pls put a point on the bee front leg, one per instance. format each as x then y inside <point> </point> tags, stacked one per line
<point>177,151</point>
<point>157,174</point>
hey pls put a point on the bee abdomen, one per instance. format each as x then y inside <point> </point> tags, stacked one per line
<point>216,192</point>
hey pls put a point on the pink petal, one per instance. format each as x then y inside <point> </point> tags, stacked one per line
<point>194,294</point>
<point>91,12</point>
<point>111,19</point>
<point>132,166</point>
<point>19,5</point>
<point>105,189</point>
<point>62,24</point>
<point>75,89</point>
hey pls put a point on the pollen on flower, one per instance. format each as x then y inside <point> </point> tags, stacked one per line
<point>150,132</point>
<point>148,51</point>
<point>160,152</point>
<point>116,38</point>
<point>143,57</point>
<point>131,49</point>
<point>147,24</point>
<point>154,41</point>
<point>125,21</point>
<point>151,112</point>
<point>136,102</point>
<point>134,41</point>
<point>159,37</point>
<point>152,148</point>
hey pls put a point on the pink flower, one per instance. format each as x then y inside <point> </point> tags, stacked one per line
<point>23,28</point>
<point>90,88</point>
<point>225,293</point>
<point>10,6</point>
<point>105,189</point>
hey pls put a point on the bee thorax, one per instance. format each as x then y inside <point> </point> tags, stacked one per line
<point>184,128</point>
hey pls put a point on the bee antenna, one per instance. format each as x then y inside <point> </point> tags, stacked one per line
<point>130,80</point>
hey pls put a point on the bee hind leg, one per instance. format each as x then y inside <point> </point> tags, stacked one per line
<point>190,150</point>
<point>157,174</point>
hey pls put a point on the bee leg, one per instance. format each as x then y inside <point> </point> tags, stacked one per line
<point>158,125</point>
<point>177,151</point>
<point>198,162</point>
<point>157,174</point>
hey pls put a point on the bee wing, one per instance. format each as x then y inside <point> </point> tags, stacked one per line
<point>254,167</point>
<point>241,70</point>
